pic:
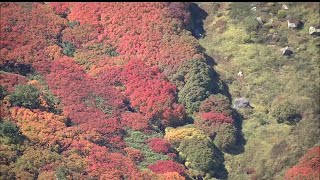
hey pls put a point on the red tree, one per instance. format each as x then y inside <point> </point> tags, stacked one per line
<point>308,166</point>
<point>215,117</point>
<point>159,145</point>
<point>27,30</point>
<point>135,121</point>
<point>161,167</point>
<point>151,93</point>
<point>9,80</point>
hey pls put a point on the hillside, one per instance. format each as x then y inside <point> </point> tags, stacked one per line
<point>284,90</point>
<point>163,91</point>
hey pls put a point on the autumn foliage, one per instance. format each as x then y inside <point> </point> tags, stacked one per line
<point>162,167</point>
<point>151,93</point>
<point>135,121</point>
<point>99,72</point>
<point>159,145</point>
<point>27,30</point>
<point>308,166</point>
<point>9,80</point>
<point>216,117</point>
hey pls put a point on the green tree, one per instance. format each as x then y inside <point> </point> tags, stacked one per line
<point>195,82</point>
<point>52,101</point>
<point>200,155</point>
<point>68,48</point>
<point>11,146</point>
<point>285,112</point>
<point>62,173</point>
<point>3,92</point>
<point>9,133</point>
<point>226,137</point>
<point>33,159</point>
<point>251,24</point>
<point>26,96</point>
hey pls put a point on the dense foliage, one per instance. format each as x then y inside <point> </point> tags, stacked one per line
<point>94,90</point>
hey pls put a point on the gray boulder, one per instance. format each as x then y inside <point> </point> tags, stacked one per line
<point>294,23</point>
<point>286,51</point>
<point>260,20</point>
<point>285,7</point>
<point>241,102</point>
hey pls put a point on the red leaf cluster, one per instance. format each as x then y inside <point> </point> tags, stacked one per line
<point>151,93</point>
<point>151,32</point>
<point>134,154</point>
<point>308,166</point>
<point>111,165</point>
<point>164,166</point>
<point>61,8</point>
<point>216,118</point>
<point>119,47</point>
<point>79,92</point>
<point>9,80</point>
<point>135,121</point>
<point>27,29</point>
<point>159,145</point>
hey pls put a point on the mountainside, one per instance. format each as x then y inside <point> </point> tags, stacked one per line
<point>159,90</point>
<point>283,89</point>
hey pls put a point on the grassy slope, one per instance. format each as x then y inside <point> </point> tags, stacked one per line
<point>267,76</point>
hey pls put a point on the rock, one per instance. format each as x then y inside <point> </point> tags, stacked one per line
<point>286,51</point>
<point>285,7</point>
<point>240,73</point>
<point>314,30</point>
<point>241,102</point>
<point>259,19</point>
<point>294,23</point>
<point>254,8</point>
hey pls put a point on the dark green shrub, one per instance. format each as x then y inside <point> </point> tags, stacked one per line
<point>285,112</point>
<point>251,24</point>
<point>239,10</point>
<point>281,14</point>
<point>111,51</point>
<point>18,68</point>
<point>195,82</point>
<point>226,138</point>
<point>10,132</point>
<point>62,173</point>
<point>51,100</point>
<point>200,155</point>
<point>26,96</point>
<point>68,48</point>
<point>137,140</point>
<point>72,24</point>
<point>99,102</point>
<point>3,92</point>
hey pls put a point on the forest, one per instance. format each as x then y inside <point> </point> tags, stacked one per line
<point>159,91</point>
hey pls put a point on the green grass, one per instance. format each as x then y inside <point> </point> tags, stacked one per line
<point>268,75</point>
<point>136,139</point>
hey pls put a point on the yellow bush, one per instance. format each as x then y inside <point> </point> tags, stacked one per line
<point>176,135</point>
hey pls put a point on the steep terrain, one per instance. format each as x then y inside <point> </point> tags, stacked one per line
<point>284,90</point>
